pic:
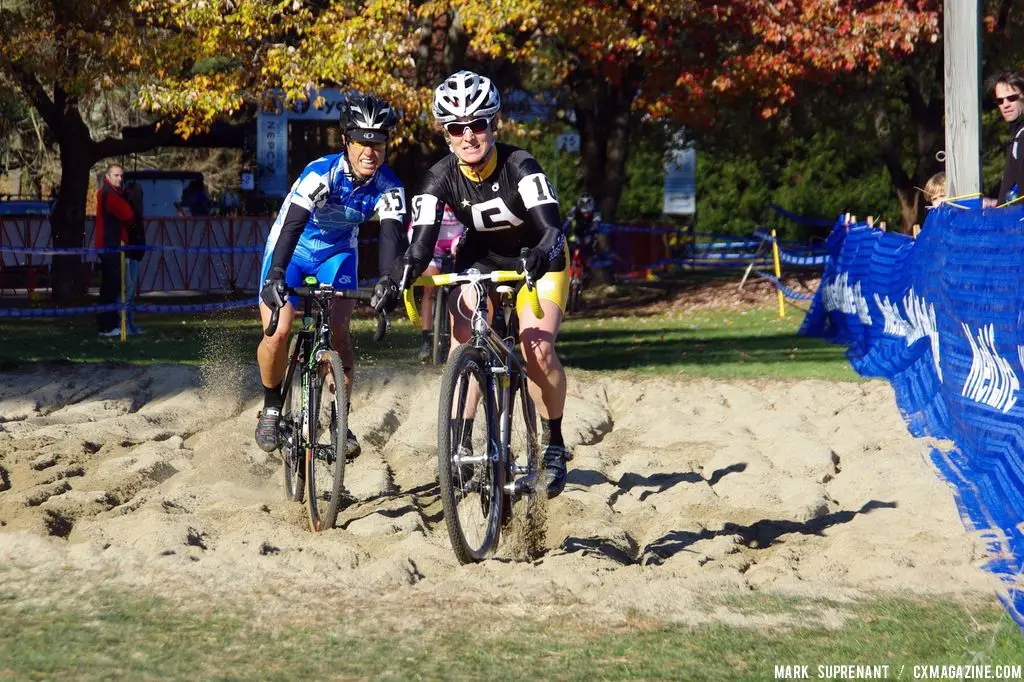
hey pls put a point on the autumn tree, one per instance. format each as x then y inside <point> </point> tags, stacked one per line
<point>687,61</point>
<point>64,56</point>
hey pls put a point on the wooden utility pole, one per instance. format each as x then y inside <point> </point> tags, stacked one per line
<point>962,35</point>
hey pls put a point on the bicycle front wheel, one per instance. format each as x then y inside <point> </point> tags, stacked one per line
<point>442,326</point>
<point>293,419</point>
<point>575,301</point>
<point>471,475</point>
<point>325,454</point>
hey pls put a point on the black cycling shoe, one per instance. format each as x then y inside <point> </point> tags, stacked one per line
<point>554,471</point>
<point>268,435</point>
<point>352,446</point>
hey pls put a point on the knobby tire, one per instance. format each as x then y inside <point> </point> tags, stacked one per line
<point>466,363</point>
<point>293,418</point>
<point>325,455</point>
<point>442,327</point>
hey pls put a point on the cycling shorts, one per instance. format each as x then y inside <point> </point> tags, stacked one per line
<point>340,270</point>
<point>553,286</point>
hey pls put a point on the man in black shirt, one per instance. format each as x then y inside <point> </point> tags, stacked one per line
<point>1009,96</point>
<point>502,196</point>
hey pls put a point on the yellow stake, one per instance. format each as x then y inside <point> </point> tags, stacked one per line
<point>124,292</point>
<point>778,275</point>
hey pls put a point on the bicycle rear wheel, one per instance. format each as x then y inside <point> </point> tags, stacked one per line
<point>293,423</point>
<point>325,455</point>
<point>524,454</point>
<point>470,475</point>
<point>442,326</point>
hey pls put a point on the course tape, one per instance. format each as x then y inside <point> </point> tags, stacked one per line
<point>112,307</point>
<point>789,215</point>
<point>786,291</point>
<point>49,251</point>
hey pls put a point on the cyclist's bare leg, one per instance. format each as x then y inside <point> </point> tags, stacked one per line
<point>547,376</point>
<point>547,388</point>
<point>341,317</point>
<point>427,304</point>
<point>462,303</point>
<point>272,353</point>
<point>272,358</point>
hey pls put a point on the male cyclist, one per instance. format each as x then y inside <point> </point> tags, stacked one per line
<point>503,197</point>
<point>316,233</point>
<point>582,221</point>
<point>447,243</point>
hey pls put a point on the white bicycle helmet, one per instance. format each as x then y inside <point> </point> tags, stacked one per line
<point>463,95</point>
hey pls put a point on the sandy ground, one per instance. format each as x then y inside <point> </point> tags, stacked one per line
<point>148,478</point>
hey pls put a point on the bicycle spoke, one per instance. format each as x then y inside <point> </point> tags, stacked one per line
<point>470,480</point>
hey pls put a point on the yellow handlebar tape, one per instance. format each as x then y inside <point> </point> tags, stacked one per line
<point>532,297</point>
<point>410,307</point>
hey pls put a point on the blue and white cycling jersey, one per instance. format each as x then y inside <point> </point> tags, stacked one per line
<point>336,207</point>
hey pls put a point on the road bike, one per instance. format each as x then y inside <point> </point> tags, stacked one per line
<point>484,469</point>
<point>314,416</point>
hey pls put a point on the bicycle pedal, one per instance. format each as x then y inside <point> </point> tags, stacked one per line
<point>523,486</point>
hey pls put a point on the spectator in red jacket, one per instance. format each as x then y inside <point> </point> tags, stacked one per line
<point>113,216</point>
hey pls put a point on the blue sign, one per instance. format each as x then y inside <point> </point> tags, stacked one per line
<point>272,132</point>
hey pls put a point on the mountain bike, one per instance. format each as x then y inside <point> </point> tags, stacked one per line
<point>484,470</point>
<point>314,417</point>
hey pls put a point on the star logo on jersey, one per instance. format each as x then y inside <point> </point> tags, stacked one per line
<point>465,203</point>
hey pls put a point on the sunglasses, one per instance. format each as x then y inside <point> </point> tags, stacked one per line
<point>1008,98</point>
<point>375,146</point>
<point>458,128</point>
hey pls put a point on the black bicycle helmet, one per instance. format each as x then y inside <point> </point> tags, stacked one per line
<point>367,119</point>
<point>585,204</point>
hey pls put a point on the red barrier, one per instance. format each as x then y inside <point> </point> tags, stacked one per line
<point>164,270</point>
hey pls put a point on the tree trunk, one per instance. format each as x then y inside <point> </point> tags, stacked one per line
<point>67,222</point>
<point>603,117</point>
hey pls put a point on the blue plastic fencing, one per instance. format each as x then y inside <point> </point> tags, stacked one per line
<point>942,318</point>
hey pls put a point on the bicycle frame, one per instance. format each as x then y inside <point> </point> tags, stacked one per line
<point>299,431</point>
<point>505,371</point>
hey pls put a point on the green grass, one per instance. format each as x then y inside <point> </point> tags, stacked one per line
<point>706,343</point>
<point>112,635</point>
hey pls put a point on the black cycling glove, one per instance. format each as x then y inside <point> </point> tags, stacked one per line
<point>413,269</point>
<point>385,295</point>
<point>536,263</point>
<point>273,292</point>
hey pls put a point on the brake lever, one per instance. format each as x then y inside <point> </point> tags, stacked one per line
<point>383,326</point>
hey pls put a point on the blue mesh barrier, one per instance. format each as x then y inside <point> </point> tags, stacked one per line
<point>942,318</point>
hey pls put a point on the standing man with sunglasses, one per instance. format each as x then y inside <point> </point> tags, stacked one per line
<point>317,233</point>
<point>1008,89</point>
<point>505,200</point>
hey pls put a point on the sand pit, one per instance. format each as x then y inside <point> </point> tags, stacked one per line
<point>149,478</point>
